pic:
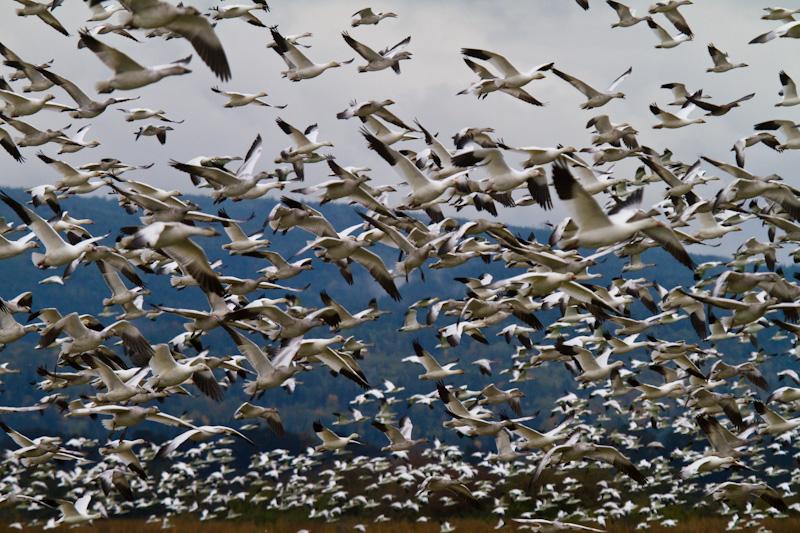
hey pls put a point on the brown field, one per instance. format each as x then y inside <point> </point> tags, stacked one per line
<point>706,525</point>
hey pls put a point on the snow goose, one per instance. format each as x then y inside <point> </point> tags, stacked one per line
<point>433,370</point>
<point>790,29</point>
<point>70,177</point>
<point>751,140</point>
<point>512,78</point>
<point>198,434</point>
<point>779,13</point>
<point>383,133</point>
<point>577,451</point>
<point>31,136</point>
<point>367,16</point>
<point>774,424</point>
<point>341,250</point>
<point>167,372</point>
<point>270,372</point>
<point>330,440</point>
<point>711,463</point>
<point>425,191</point>
<point>57,251</point>
<point>299,66</point>
<point>74,513</point>
<point>721,63</point>
<point>502,178</point>
<point>596,228</point>
<point>732,491</point>
<point>139,113</point>
<point>348,186</point>
<point>84,339</point>
<point>86,107</point>
<point>185,21</point>
<point>667,40</point>
<point>159,132</point>
<point>627,17</point>
<point>594,97</point>
<point>7,142</point>
<point>28,70</point>
<point>19,106</point>
<point>173,239</point>
<point>373,107</point>
<point>31,8</point>
<point>675,120</point>
<point>39,450</point>
<point>10,329</point>
<point>670,10</point>
<point>608,132</point>
<point>399,438</point>
<point>305,142</point>
<point>270,414</point>
<point>534,440</point>
<point>128,74</point>
<point>245,12</point>
<point>388,57</point>
<point>10,249</point>
<point>788,128</point>
<point>492,395</point>
<point>788,91</point>
<point>453,486</point>
<point>489,83</point>
<point>76,143</point>
<point>241,99</point>
<point>718,110</point>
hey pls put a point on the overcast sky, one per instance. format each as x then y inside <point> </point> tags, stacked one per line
<point>580,43</point>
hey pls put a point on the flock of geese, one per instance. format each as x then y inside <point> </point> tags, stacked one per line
<point>112,373</point>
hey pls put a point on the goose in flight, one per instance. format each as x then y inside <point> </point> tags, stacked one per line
<point>733,491</point>
<point>198,434</point>
<point>87,108</point>
<point>670,10</point>
<point>454,486</point>
<point>84,339</point>
<point>789,129</point>
<point>236,99</point>
<point>173,238</point>
<point>270,414</point>
<point>788,91</point>
<point>270,372</point>
<point>128,74</point>
<point>597,229</point>
<point>627,17</point>
<point>790,29</point>
<point>399,438</point>
<point>330,440</point>
<point>299,66</point>
<point>487,84</point>
<point>433,370</point>
<point>367,16</point>
<point>39,450</point>
<point>594,98</point>
<point>185,21</point>
<point>717,110</point>
<point>43,11</point>
<point>244,12</point>
<point>167,372</point>
<point>511,77</point>
<point>577,451</point>
<point>57,251</point>
<point>667,40</point>
<point>74,513</point>
<point>675,120</point>
<point>721,62</point>
<point>388,57</point>
<point>18,105</point>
